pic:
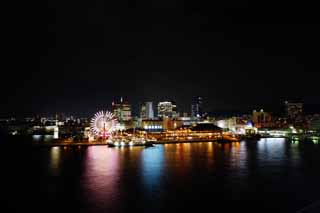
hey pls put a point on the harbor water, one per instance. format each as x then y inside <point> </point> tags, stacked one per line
<point>269,175</point>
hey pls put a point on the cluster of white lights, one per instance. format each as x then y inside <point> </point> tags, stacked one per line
<point>103,120</point>
<point>153,127</point>
<point>123,143</point>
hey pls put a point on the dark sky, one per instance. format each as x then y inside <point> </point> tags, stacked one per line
<point>78,56</point>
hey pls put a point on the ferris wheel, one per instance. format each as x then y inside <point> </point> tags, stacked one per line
<point>103,124</point>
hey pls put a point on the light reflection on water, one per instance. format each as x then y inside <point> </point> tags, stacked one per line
<point>238,156</point>
<point>271,150</point>
<point>112,176</point>
<point>101,176</point>
<point>153,166</point>
<point>55,158</point>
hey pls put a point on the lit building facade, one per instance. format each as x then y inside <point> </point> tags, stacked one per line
<point>294,110</point>
<point>143,111</point>
<point>122,111</point>
<point>229,123</point>
<point>197,107</point>
<point>315,124</point>
<point>261,119</point>
<point>146,111</point>
<point>167,109</point>
<point>151,125</point>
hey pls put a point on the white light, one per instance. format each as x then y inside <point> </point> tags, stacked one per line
<point>122,143</point>
<point>116,143</point>
<point>100,119</point>
<point>131,143</point>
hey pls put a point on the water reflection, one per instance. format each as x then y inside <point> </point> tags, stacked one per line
<point>238,156</point>
<point>182,154</point>
<point>55,158</point>
<point>101,176</point>
<point>149,178</point>
<point>271,149</point>
<point>153,166</point>
<point>210,153</point>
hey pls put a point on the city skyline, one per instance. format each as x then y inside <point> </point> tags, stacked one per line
<point>135,109</point>
<point>160,106</point>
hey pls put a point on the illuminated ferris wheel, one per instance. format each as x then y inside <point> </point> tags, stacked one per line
<point>103,124</point>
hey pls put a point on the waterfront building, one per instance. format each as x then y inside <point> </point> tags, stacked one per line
<point>261,119</point>
<point>229,123</point>
<point>206,127</point>
<point>56,129</point>
<point>122,111</point>
<point>294,110</point>
<point>315,124</point>
<point>171,124</point>
<point>161,124</point>
<point>152,125</point>
<point>149,110</point>
<point>146,111</point>
<point>197,107</point>
<point>167,109</point>
<point>143,113</point>
<point>187,121</point>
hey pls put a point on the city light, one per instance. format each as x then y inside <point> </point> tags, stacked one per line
<point>103,124</point>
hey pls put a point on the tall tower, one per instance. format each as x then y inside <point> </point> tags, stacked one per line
<point>197,107</point>
<point>149,110</point>
<point>122,110</point>
<point>143,113</point>
<point>56,129</point>
<point>146,111</point>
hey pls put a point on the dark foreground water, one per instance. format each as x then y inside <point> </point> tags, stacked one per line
<point>270,175</point>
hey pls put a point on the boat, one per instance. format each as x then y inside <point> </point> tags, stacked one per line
<point>251,137</point>
<point>129,142</point>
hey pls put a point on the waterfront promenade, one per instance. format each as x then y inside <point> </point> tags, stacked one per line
<point>101,143</point>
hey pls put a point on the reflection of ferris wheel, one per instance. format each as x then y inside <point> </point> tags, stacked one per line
<point>103,124</point>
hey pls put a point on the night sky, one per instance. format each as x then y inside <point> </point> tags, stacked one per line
<point>78,56</point>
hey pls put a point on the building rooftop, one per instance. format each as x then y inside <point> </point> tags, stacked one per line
<point>205,127</point>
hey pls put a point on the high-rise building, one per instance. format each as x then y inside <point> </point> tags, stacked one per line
<point>197,107</point>
<point>149,110</point>
<point>122,110</point>
<point>261,119</point>
<point>294,110</point>
<point>167,109</point>
<point>146,111</point>
<point>143,113</point>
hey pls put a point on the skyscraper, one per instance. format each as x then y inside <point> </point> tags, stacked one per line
<point>122,110</point>
<point>197,107</point>
<point>261,119</point>
<point>294,110</point>
<point>149,110</point>
<point>167,109</point>
<point>143,113</point>
<point>146,111</point>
